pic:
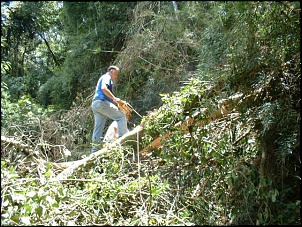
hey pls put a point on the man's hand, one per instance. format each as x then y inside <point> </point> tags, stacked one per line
<point>125,108</point>
<point>116,100</point>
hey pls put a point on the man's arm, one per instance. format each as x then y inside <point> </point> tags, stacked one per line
<point>107,92</point>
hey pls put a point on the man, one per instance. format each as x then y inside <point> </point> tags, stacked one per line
<point>103,107</point>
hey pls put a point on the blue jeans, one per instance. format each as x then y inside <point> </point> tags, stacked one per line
<point>102,110</point>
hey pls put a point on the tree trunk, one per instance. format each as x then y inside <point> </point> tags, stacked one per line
<point>132,138</point>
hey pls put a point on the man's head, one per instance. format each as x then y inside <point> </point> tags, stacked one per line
<point>113,71</point>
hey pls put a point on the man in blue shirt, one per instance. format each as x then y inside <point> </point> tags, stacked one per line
<point>103,107</point>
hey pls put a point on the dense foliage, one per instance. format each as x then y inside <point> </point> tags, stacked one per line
<point>218,82</point>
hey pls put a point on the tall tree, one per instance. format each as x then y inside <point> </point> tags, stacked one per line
<point>27,26</point>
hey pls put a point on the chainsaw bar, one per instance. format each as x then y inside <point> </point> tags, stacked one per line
<point>134,110</point>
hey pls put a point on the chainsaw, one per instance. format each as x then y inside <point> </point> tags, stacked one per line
<point>127,109</point>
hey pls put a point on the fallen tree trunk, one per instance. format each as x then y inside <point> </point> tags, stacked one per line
<point>224,108</point>
<point>132,138</point>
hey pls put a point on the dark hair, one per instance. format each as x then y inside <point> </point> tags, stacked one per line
<point>113,67</point>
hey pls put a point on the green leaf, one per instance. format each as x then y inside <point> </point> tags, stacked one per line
<point>28,208</point>
<point>39,210</point>
<point>47,174</point>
